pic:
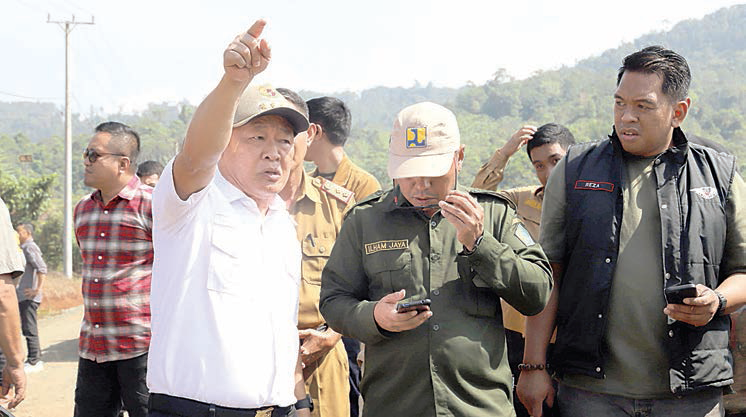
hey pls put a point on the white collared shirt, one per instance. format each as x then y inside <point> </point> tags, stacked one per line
<point>224,297</point>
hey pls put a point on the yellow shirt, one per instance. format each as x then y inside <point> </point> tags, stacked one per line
<point>318,212</point>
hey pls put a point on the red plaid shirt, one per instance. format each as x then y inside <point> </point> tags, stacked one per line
<point>116,244</point>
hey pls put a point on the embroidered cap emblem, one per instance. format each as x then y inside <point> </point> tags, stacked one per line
<point>708,193</point>
<point>416,137</point>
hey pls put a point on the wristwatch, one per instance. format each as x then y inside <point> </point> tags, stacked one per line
<point>468,252</point>
<point>722,303</point>
<point>305,403</point>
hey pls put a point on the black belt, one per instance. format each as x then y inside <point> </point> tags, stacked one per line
<point>191,408</point>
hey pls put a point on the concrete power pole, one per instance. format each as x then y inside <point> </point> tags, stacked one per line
<point>67,242</point>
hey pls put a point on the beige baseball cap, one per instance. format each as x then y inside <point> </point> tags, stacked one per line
<point>264,100</point>
<point>424,137</point>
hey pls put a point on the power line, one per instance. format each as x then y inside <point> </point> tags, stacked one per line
<point>5,93</point>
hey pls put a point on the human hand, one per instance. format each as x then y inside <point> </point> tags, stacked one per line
<point>247,55</point>
<point>389,319</point>
<point>535,387</point>
<point>519,138</point>
<point>465,214</point>
<point>30,292</point>
<point>14,378</point>
<point>696,311</point>
<point>314,348</point>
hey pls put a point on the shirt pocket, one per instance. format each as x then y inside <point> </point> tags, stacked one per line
<point>316,252</point>
<point>479,299</point>
<point>390,271</point>
<point>227,245</point>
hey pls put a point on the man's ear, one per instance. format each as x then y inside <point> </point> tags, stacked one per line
<point>460,158</point>
<point>312,133</point>
<point>680,110</point>
<point>124,164</point>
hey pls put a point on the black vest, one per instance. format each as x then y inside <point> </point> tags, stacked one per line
<point>693,183</point>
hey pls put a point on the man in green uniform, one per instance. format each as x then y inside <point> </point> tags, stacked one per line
<point>429,238</point>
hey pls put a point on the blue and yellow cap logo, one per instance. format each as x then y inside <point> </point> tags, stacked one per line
<point>416,137</point>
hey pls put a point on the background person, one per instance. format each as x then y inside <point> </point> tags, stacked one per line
<point>317,207</point>
<point>149,172</point>
<point>113,226</point>
<point>11,267</point>
<point>29,292</point>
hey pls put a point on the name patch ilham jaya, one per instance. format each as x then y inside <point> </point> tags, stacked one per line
<point>386,245</point>
<point>594,185</point>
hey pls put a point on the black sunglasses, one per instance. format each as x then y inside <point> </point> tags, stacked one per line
<point>93,156</point>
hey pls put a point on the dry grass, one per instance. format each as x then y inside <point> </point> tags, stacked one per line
<point>60,293</point>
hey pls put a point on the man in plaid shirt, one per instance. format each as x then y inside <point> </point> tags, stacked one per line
<point>113,226</point>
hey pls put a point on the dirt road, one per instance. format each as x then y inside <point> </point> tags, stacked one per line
<point>51,392</point>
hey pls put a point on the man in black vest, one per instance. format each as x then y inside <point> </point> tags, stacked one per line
<point>625,218</point>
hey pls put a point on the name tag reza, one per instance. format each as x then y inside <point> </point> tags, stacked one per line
<point>594,185</point>
<point>386,245</point>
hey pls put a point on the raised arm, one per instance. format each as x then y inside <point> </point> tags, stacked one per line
<point>211,126</point>
<point>490,175</point>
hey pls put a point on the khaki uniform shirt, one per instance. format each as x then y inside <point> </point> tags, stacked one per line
<point>353,178</point>
<point>454,364</point>
<point>491,173</point>
<point>318,213</point>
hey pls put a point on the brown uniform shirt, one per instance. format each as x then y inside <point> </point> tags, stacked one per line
<point>353,178</point>
<point>318,213</point>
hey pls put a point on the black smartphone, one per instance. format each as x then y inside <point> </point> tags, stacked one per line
<point>4,412</point>
<point>677,293</point>
<point>419,305</point>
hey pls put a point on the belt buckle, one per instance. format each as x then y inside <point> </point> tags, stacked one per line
<point>265,412</point>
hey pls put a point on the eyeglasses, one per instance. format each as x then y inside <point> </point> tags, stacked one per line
<point>93,156</point>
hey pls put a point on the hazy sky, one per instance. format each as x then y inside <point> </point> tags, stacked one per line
<point>163,50</point>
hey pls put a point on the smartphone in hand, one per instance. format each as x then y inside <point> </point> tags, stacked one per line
<point>677,293</point>
<point>419,305</point>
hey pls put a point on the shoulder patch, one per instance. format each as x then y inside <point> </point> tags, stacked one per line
<point>333,189</point>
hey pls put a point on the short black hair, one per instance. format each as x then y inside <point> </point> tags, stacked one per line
<point>149,168</point>
<point>295,99</point>
<point>548,134</point>
<point>667,64</point>
<point>123,138</point>
<point>333,116</point>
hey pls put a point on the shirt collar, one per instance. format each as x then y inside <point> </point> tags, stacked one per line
<point>127,192</point>
<point>27,242</point>
<point>344,170</point>
<point>309,189</point>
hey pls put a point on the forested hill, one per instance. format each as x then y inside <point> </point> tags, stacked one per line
<point>578,96</point>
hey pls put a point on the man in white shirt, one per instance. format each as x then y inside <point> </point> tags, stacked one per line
<point>224,295</point>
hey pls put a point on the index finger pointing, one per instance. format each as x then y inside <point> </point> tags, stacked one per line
<point>256,29</point>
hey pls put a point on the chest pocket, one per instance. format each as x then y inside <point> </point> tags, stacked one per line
<point>389,271</point>
<point>226,250</point>
<point>316,252</point>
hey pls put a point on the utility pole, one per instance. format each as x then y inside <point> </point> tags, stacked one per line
<point>67,242</point>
